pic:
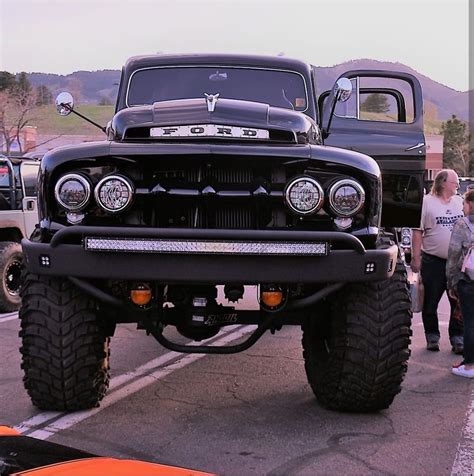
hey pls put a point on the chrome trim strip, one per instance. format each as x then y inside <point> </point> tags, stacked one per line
<point>217,66</point>
<point>358,97</point>
<point>413,147</point>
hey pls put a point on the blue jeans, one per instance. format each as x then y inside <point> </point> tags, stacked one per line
<point>433,274</point>
<point>465,291</point>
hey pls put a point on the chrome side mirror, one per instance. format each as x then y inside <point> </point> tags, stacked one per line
<point>343,89</point>
<point>341,92</point>
<point>64,103</point>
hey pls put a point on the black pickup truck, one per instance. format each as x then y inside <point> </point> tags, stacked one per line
<point>229,170</point>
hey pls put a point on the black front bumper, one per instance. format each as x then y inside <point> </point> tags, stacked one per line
<point>66,255</point>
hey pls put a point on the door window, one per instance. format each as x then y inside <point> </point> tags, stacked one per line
<point>30,179</point>
<point>378,99</point>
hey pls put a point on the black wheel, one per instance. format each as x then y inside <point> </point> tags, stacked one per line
<point>11,267</point>
<point>65,349</point>
<point>356,357</point>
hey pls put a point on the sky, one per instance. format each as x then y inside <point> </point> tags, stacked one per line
<point>62,36</point>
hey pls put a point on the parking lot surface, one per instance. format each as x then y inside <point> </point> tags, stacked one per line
<point>252,413</point>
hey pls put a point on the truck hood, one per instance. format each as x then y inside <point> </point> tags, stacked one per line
<point>283,125</point>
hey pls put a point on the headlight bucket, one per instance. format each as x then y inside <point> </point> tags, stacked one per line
<point>304,195</point>
<point>346,198</point>
<point>114,193</point>
<point>72,192</point>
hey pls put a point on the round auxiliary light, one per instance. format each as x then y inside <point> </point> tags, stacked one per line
<point>304,195</point>
<point>406,240</point>
<point>114,193</point>
<point>72,192</point>
<point>346,198</point>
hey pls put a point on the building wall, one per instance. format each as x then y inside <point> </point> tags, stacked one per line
<point>434,155</point>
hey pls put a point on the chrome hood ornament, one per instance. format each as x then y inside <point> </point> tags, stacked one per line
<point>211,100</point>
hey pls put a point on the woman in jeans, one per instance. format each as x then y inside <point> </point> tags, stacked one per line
<point>460,286</point>
<point>442,208</point>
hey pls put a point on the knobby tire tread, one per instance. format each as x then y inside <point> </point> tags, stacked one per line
<point>368,334</point>
<point>65,351</point>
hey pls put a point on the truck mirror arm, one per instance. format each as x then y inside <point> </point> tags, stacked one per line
<point>69,108</point>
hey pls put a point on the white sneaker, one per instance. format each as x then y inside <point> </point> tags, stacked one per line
<point>463,372</point>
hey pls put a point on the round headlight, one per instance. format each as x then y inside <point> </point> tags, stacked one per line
<point>346,198</point>
<point>304,195</point>
<point>72,192</point>
<point>406,240</point>
<point>114,193</point>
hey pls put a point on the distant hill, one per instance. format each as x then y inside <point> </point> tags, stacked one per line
<point>89,87</point>
<point>448,101</point>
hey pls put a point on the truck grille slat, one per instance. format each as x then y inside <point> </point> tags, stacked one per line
<point>222,175</point>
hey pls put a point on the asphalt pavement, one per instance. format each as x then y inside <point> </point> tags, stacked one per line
<point>253,413</point>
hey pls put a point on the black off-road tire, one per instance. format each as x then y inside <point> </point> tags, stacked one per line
<point>64,347</point>
<point>11,267</point>
<point>356,357</point>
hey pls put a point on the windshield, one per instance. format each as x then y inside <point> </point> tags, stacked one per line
<point>284,89</point>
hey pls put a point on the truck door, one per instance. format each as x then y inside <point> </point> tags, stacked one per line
<point>29,175</point>
<point>384,119</point>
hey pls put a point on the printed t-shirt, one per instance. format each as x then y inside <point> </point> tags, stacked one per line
<point>437,221</point>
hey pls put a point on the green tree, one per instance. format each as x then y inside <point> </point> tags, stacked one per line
<point>7,80</point>
<point>23,83</point>
<point>456,146</point>
<point>105,101</point>
<point>375,102</point>
<point>43,95</point>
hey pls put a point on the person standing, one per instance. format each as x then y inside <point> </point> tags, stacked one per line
<point>460,285</point>
<point>441,209</point>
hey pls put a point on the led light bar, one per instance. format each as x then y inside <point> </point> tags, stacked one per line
<point>144,245</point>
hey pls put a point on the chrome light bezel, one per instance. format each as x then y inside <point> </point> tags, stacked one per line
<point>342,183</point>
<point>78,178</point>
<point>128,184</point>
<point>314,182</point>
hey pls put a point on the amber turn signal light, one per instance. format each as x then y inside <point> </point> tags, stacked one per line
<point>141,295</point>
<point>272,298</point>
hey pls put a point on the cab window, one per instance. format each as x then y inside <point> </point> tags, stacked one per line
<point>378,99</point>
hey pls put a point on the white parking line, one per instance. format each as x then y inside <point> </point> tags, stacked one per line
<point>141,377</point>
<point>9,317</point>
<point>464,461</point>
<point>34,422</point>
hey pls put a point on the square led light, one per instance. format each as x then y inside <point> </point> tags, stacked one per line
<point>45,261</point>
<point>369,268</point>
